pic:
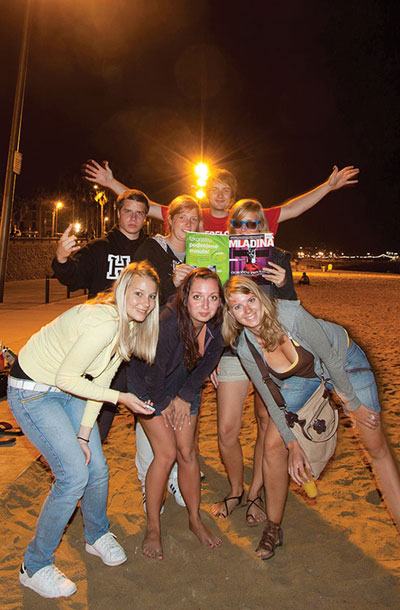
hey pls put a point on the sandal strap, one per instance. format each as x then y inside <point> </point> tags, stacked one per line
<point>270,537</point>
<point>238,500</point>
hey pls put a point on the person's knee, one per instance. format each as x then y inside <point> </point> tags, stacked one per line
<point>186,455</point>
<point>72,482</point>
<point>165,459</point>
<point>378,450</point>
<point>228,433</point>
<point>98,470</point>
<point>275,451</point>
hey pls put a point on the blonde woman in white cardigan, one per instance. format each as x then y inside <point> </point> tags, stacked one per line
<point>56,389</point>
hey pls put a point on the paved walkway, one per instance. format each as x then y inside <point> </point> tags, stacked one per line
<point>22,313</point>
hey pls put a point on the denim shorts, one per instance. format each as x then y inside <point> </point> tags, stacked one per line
<point>172,384</point>
<point>297,390</point>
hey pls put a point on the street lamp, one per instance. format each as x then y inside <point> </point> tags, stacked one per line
<point>54,220</point>
<point>101,199</point>
<point>202,172</point>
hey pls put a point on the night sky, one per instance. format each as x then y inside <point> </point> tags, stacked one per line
<point>275,92</point>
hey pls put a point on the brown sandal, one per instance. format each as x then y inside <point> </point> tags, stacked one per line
<point>271,538</point>
<point>250,519</point>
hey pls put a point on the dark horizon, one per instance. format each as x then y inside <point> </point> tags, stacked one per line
<point>277,94</point>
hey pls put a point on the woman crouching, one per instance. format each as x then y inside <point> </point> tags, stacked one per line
<point>298,349</point>
<point>56,406</point>
<point>189,348</point>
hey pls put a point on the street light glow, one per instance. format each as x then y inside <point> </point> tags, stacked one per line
<point>200,194</point>
<point>202,173</point>
<point>77,227</point>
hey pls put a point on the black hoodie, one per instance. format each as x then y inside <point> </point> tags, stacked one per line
<point>99,263</point>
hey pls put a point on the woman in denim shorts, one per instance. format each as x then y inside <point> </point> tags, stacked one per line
<point>189,348</point>
<point>298,351</point>
<point>55,391</point>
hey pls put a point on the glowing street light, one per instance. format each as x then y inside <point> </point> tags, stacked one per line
<point>200,194</point>
<point>54,220</point>
<point>202,172</point>
<point>77,227</point>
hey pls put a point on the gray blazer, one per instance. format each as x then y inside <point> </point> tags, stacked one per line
<point>327,342</point>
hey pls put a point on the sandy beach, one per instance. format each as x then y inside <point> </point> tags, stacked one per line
<point>340,550</point>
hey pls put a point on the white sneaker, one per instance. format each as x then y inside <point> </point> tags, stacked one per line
<point>173,489</point>
<point>48,582</point>
<point>144,502</point>
<point>108,549</point>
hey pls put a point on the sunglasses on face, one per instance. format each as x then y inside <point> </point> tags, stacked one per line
<point>249,224</point>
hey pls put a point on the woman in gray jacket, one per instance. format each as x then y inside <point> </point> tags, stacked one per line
<point>298,350</point>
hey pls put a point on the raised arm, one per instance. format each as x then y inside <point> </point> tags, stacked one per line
<point>338,179</point>
<point>102,174</point>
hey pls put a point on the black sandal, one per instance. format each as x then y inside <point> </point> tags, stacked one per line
<point>226,500</point>
<point>6,428</point>
<point>271,538</point>
<point>250,503</point>
<point>7,442</point>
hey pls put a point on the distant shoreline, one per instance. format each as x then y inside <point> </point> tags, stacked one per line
<point>372,266</point>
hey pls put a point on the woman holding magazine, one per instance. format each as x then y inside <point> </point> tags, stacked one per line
<point>246,217</point>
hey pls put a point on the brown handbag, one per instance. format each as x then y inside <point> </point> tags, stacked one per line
<point>314,425</point>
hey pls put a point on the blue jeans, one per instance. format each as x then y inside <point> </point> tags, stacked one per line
<point>297,390</point>
<point>51,420</point>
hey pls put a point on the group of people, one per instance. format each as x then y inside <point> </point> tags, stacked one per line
<point>120,347</point>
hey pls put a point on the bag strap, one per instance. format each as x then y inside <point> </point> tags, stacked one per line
<point>269,382</point>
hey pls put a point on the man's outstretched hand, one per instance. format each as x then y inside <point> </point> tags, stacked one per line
<point>98,173</point>
<point>344,177</point>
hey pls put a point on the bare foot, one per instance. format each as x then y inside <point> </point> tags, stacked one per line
<point>255,513</point>
<point>226,506</point>
<point>203,534</point>
<point>151,545</point>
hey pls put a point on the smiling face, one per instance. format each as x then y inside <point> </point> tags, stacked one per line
<point>203,301</point>
<point>219,195</point>
<point>246,309</point>
<point>131,218</point>
<point>187,219</point>
<point>141,297</point>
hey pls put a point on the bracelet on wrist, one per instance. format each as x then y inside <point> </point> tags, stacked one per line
<point>86,440</point>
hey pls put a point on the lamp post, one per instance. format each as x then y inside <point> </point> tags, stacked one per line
<point>101,199</point>
<point>54,220</point>
<point>14,156</point>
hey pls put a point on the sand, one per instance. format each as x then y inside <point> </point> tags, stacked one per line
<point>340,550</point>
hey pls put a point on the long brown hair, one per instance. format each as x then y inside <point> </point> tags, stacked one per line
<point>270,331</point>
<point>185,325</point>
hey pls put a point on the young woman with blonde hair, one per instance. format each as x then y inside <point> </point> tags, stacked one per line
<point>246,217</point>
<point>55,391</point>
<point>298,350</point>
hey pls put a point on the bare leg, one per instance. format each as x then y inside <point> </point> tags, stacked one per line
<point>255,512</point>
<point>162,440</point>
<point>189,481</point>
<point>230,396</point>
<point>384,466</point>
<point>276,480</point>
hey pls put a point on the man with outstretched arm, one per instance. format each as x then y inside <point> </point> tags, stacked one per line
<point>221,193</point>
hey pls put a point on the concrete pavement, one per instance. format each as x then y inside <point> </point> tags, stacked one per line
<point>22,313</point>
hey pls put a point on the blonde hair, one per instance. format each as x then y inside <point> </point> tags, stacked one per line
<point>243,207</point>
<point>139,338</point>
<point>270,331</point>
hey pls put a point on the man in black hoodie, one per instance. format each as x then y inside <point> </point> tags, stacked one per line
<point>99,263</point>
